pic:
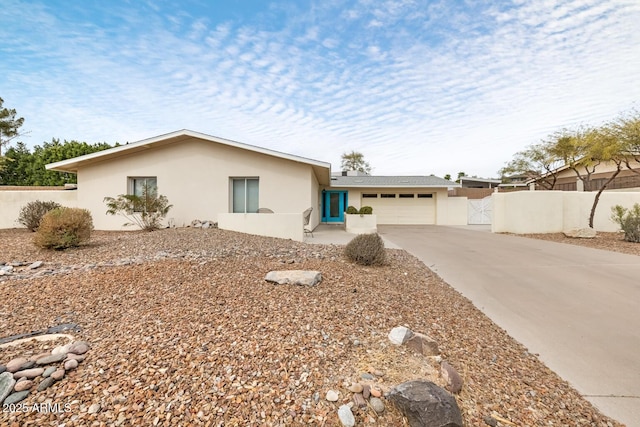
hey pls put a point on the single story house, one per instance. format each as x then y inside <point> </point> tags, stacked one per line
<point>210,178</point>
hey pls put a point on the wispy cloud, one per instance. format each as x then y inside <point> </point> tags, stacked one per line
<point>432,87</point>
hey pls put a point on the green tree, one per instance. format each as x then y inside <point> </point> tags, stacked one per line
<point>354,161</point>
<point>535,162</point>
<point>25,168</point>
<point>448,177</point>
<point>9,125</point>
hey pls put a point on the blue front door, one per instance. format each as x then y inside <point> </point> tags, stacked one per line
<point>333,206</point>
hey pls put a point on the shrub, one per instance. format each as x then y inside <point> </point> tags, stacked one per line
<point>366,249</point>
<point>63,228</point>
<point>146,211</point>
<point>366,210</point>
<point>629,221</point>
<point>31,214</point>
<point>352,210</point>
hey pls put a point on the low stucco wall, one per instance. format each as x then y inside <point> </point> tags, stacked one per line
<point>12,201</point>
<point>360,224</point>
<point>285,226</point>
<point>454,211</point>
<point>525,212</point>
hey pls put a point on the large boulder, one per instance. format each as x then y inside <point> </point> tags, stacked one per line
<point>423,403</point>
<point>581,233</point>
<point>294,277</point>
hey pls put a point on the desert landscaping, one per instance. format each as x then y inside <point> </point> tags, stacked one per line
<point>183,329</point>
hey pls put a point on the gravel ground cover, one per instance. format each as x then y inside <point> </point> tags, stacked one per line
<point>185,331</point>
<point>605,241</point>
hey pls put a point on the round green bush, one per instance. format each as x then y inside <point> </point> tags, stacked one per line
<point>366,249</point>
<point>366,210</point>
<point>352,210</point>
<point>64,228</point>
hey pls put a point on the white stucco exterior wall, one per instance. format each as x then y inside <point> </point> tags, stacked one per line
<point>195,176</point>
<point>11,202</point>
<point>525,212</point>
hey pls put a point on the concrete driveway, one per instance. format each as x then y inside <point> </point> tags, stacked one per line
<point>578,308</point>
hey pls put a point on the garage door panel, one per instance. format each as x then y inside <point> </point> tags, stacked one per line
<point>402,210</point>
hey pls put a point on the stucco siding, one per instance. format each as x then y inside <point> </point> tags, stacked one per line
<point>11,202</point>
<point>195,176</point>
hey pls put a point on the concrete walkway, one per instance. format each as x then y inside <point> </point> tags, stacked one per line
<point>578,308</point>
<point>334,234</point>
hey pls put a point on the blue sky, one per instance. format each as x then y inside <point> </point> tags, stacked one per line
<point>418,86</point>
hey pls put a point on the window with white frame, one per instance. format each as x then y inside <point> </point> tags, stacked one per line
<point>138,184</point>
<point>244,195</point>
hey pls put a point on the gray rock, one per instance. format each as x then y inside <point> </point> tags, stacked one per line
<point>377,405</point>
<point>451,376</point>
<point>46,383</point>
<point>6,385</point>
<point>52,358</point>
<point>399,335</point>
<point>47,372</point>
<point>2,368</point>
<point>16,397</point>
<point>423,403</point>
<point>423,344</point>
<point>581,233</point>
<point>294,277</point>
<point>94,408</point>
<point>346,416</point>
<point>35,265</point>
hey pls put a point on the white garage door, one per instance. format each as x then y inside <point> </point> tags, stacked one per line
<point>402,208</point>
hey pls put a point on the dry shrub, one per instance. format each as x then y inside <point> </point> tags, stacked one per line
<point>366,249</point>
<point>63,228</point>
<point>31,214</point>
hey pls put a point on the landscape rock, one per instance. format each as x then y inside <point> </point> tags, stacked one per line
<point>294,277</point>
<point>423,344</point>
<point>70,364</point>
<point>23,385</point>
<point>355,388</point>
<point>399,335</point>
<point>451,376</point>
<point>94,408</point>
<point>35,265</point>
<point>581,233</point>
<point>28,373</point>
<point>78,357</point>
<point>47,372</point>
<point>53,358</point>
<point>61,349</point>
<point>423,403</point>
<point>2,368</point>
<point>346,416</point>
<point>15,364</point>
<point>16,397</point>
<point>366,391</point>
<point>6,385</point>
<point>358,400</point>
<point>58,374</point>
<point>377,405</point>
<point>46,383</point>
<point>332,396</point>
<point>79,347</point>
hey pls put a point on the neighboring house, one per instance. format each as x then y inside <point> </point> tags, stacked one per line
<point>210,178</point>
<point>567,180</point>
<point>472,182</point>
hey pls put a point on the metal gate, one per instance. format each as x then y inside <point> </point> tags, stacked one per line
<point>479,211</point>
